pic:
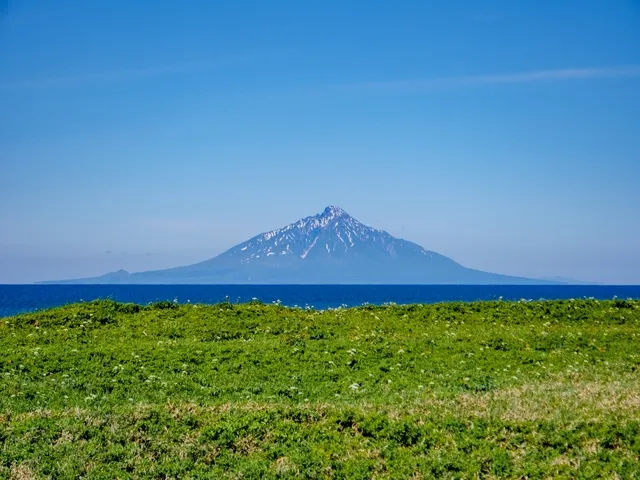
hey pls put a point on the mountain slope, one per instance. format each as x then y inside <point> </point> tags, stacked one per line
<point>331,248</point>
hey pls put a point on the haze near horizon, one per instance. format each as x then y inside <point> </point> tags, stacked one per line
<point>504,136</point>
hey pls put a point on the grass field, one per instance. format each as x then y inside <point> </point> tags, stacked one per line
<point>459,390</point>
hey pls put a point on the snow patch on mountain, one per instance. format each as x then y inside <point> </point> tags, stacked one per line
<point>306,252</point>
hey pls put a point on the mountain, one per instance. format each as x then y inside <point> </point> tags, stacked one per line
<point>329,248</point>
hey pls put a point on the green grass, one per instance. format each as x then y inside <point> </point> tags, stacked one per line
<point>459,390</point>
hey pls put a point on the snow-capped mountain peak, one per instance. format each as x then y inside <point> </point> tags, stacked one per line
<point>331,233</point>
<point>333,212</point>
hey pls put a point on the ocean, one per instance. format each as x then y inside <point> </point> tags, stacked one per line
<point>15,299</point>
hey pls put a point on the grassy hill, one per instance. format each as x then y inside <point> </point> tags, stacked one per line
<point>459,390</point>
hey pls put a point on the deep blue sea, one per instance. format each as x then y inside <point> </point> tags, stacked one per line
<point>16,299</point>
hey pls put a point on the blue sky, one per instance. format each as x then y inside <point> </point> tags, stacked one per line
<point>503,134</point>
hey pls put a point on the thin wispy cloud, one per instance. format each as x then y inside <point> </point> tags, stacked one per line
<point>115,75</point>
<point>126,74</point>
<point>443,83</point>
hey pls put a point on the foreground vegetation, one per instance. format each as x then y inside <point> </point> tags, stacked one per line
<point>497,389</point>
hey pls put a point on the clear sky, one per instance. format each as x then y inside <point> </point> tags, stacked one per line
<point>138,134</point>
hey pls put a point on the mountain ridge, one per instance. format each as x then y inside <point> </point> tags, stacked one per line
<point>330,247</point>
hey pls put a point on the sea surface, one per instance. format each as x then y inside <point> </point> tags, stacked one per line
<point>15,299</point>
